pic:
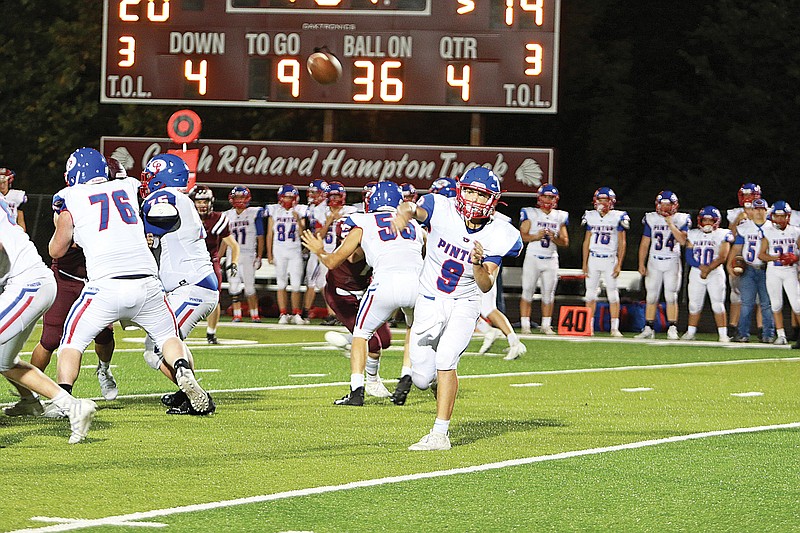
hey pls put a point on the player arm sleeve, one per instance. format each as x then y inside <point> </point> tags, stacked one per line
<point>691,260</point>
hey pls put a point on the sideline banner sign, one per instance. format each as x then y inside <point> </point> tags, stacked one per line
<point>270,164</point>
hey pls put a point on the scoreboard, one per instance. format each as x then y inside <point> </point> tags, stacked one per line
<point>436,55</point>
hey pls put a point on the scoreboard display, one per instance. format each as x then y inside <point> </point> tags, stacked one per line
<point>435,55</point>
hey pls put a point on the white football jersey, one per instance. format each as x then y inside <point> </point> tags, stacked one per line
<point>183,258</point>
<point>386,251</point>
<point>604,230</point>
<point>706,246</point>
<point>540,220</point>
<point>748,234</point>
<point>781,241</point>
<point>108,228</point>
<point>18,254</point>
<point>15,198</point>
<point>285,230</point>
<point>662,241</point>
<point>321,214</point>
<point>447,271</point>
<point>246,227</point>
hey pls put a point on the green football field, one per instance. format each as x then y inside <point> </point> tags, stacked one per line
<point>576,434</point>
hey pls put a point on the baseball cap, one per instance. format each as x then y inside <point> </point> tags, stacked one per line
<point>759,203</point>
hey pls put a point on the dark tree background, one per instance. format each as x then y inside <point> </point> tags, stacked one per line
<point>697,97</point>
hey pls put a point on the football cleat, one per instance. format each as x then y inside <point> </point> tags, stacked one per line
<point>174,399</point>
<point>781,341</point>
<point>616,333</point>
<point>108,385</point>
<point>81,413</point>
<point>285,319</point>
<point>54,411</point>
<point>547,330</point>
<point>355,398</point>
<point>687,336</point>
<point>515,351</point>
<point>211,338</point>
<point>198,397</point>
<point>377,389</point>
<point>186,409</point>
<point>400,393</point>
<point>297,320</point>
<point>30,406</point>
<point>525,330</point>
<point>328,321</point>
<point>433,441</point>
<point>647,333</point>
<point>672,333</point>
<point>488,339</point>
<point>236,319</point>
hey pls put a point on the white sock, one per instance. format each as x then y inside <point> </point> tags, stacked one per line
<point>525,322</point>
<point>513,340</point>
<point>723,331</point>
<point>441,426</point>
<point>356,381</point>
<point>546,321</point>
<point>373,365</point>
<point>614,324</point>
<point>211,331</point>
<point>63,399</point>
<point>781,332</point>
<point>405,371</point>
<point>691,330</point>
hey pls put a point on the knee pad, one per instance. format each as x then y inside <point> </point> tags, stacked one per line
<point>422,381</point>
<point>4,367</point>
<point>613,297</point>
<point>694,308</point>
<point>717,307</point>
<point>671,297</point>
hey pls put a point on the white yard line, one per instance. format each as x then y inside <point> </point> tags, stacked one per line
<point>126,519</point>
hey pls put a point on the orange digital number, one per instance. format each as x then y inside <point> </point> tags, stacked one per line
<point>462,82</point>
<point>535,6</point>
<point>390,88</point>
<point>129,52</point>
<point>201,76</point>
<point>152,16</point>
<point>467,6</point>
<point>289,72</point>
<point>534,59</point>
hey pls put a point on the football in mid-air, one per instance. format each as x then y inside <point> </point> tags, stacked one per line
<point>324,67</point>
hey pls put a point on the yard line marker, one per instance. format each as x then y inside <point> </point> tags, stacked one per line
<point>145,515</point>
<point>527,384</point>
<point>484,376</point>
<point>637,389</point>
<point>747,394</point>
<point>307,375</point>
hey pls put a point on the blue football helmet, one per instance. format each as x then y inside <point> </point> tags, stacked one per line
<point>483,180</point>
<point>317,191</point>
<point>547,197</point>
<point>409,192</point>
<point>666,203</point>
<point>604,193</point>
<point>336,194</point>
<point>86,165</point>
<point>747,193</point>
<point>366,191</point>
<point>708,218</point>
<point>240,197</point>
<point>288,196</point>
<point>385,195</point>
<point>783,211</point>
<point>164,170</point>
<point>445,187</point>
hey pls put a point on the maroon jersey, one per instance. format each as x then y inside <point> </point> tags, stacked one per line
<point>216,225</point>
<point>72,264</point>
